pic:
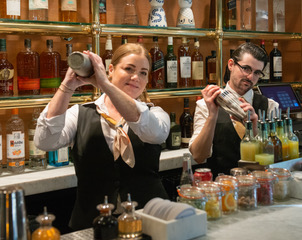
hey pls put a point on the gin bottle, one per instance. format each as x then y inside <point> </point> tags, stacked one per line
<point>59,157</point>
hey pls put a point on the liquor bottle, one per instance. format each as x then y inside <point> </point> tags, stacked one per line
<point>261,15</point>
<point>283,137</point>
<point>68,11</point>
<point>46,230</point>
<point>105,226</point>
<point>276,141</point>
<point>37,157</point>
<point>10,9</point>
<point>140,39</point>
<point>246,15</point>
<point>124,39</point>
<point>38,10</point>
<point>249,147</point>
<point>88,87</point>
<point>211,68</point>
<point>184,62</point>
<point>186,124</point>
<point>174,139</point>
<point>102,11</point>
<point>266,70</point>
<point>58,157</point>
<point>49,69</point>
<point>130,16</point>
<point>197,65</point>
<point>171,65</point>
<point>15,143</point>
<point>64,63</point>
<point>107,56</point>
<point>28,75</point>
<point>226,76</point>
<point>212,22</point>
<point>186,177</point>
<point>157,75</point>
<point>292,137</point>
<point>129,223</point>
<point>230,14</point>
<point>278,16</point>
<point>275,64</point>
<point>6,72</point>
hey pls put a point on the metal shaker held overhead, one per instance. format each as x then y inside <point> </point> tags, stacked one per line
<point>80,64</point>
<point>13,219</point>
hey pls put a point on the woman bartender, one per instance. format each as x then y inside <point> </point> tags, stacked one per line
<point>115,140</point>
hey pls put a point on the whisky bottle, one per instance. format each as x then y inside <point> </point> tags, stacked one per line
<point>28,67</point>
<point>68,11</point>
<point>37,157</point>
<point>10,9</point>
<point>64,64</point>
<point>107,56</point>
<point>15,143</point>
<point>184,62</point>
<point>186,124</point>
<point>275,64</point>
<point>59,157</point>
<point>170,66</point>
<point>174,139</point>
<point>105,226</point>
<point>38,10</point>
<point>49,70</point>
<point>157,74</point>
<point>266,70</point>
<point>211,68</point>
<point>197,65</point>
<point>6,72</point>
<point>230,14</point>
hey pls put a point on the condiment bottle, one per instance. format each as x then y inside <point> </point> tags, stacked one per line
<point>129,223</point>
<point>292,137</point>
<point>105,226</point>
<point>247,192</point>
<point>276,141</point>
<point>265,191</point>
<point>230,186</point>
<point>282,137</point>
<point>46,231</point>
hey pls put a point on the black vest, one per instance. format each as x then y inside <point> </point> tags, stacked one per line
<point>226,142</point>
<point>99,175</point>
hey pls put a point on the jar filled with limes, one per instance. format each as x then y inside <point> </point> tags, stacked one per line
<point>229,184</point>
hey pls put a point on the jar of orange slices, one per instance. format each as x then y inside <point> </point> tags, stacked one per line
<point>229,184</point>
<point>213,194</point>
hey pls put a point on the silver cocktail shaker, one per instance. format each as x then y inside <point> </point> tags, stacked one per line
<point>80,64</point>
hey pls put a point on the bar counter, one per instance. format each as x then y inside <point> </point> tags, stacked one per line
<point>58,178</point>
<point>281,221</point>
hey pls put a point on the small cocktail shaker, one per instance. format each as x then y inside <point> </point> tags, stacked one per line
<point>80,64</point>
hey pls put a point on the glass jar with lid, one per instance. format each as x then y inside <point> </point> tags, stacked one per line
<point>213,194</point>
<point>230,198</point>
<point>192,195</point>
<point>266,181</point>
<point>247,192</point>
<point>238,171</point>
<point>282,186</point>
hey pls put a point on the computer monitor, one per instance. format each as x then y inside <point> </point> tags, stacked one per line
<point>283,94</point>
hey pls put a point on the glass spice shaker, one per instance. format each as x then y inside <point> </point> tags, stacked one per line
<point>247,192</point>
<point>129,223</point>
<point>105,226</point>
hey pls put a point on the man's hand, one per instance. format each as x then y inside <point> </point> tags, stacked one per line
<point>209,95</point>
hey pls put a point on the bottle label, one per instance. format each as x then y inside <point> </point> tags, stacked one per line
<point>68,5</point>
<point>50,82</point>
<point>6,74</point>
<point>176,139</point>
<point>37,4</point>
<point>197,70</point>
<point>107,63</point>
<point>1,157</point>
<point>266,71</point>
<point>34,151</point>
<point>63,155</point>
<point>25,83</point>
<point>15,145</point>
<point>16,163</point>
<point>277,61</point>
<point>185,67</point>
<point>212,77</point>
<point>102,6</point>
<point>172,71</point>
<point>13,7</point>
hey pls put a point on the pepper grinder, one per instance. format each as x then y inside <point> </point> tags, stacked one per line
<point>105,226</point>
<point>129,224</point>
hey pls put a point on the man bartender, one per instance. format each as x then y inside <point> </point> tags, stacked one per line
<point>215,141</point>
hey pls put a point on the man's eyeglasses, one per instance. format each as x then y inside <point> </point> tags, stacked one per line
<point>248,70</point>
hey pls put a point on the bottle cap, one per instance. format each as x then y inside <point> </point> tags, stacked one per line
<point>27,43</point>
<point>49,42</point>
<point>170,40</point>
<point>155,39</point>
